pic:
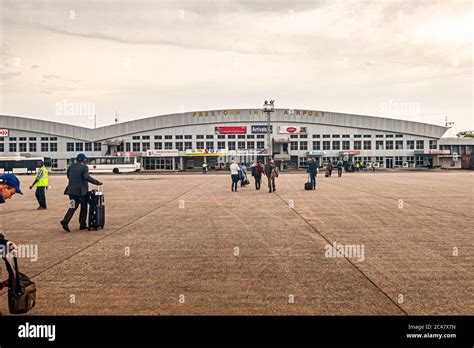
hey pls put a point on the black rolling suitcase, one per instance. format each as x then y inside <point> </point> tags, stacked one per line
<point>308,185</point>
<point>96,210</point>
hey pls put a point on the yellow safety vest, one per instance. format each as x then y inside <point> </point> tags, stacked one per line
<point>44,179</point>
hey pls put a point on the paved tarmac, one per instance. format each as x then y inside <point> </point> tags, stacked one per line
<point>186,244</point>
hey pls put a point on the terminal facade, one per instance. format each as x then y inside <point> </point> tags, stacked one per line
<point>185,141</point>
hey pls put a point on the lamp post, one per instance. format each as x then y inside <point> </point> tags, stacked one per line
<point>268,108</point>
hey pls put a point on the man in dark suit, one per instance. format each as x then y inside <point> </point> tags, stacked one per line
<point>313,171</point>
<point>79,179</point>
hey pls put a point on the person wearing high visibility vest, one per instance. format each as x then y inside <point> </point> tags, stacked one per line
<point>41,183</point>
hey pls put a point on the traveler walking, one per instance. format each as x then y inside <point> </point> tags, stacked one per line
<point>313,172</point>
<point>234,174</point>
<point>329,168</point>
<point>243,173</point>
<point>339,166</point>
<point>257,171</point>
<point>271,171</point>
<point>77,189</point>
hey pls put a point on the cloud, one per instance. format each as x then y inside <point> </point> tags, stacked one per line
<point>236,51</point>
<point>9,75</point>
<point>51,77</point>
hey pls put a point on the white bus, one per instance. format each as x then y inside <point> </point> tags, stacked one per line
<point>112,164</point>
<point>22,165</point>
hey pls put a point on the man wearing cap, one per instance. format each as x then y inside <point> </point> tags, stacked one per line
<point>9,185</point>
<point>77,188</point>
<point>41,183</point>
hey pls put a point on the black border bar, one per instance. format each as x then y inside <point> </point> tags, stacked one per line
<point>347,330</point>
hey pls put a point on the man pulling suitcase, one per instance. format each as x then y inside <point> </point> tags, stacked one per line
<point>77,190</point>
<point>312,173</point>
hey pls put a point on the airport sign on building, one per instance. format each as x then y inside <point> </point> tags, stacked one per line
<point>162,153</point>
<point>252,152</point>
<point>260,129</point>
<point>349,153</point>
<point>316,153</point>
<point>231,130</point>
<point>127,154</point>
<point>432,152</point>
<point>291,130</point>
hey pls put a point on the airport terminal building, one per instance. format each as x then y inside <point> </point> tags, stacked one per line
<point>185,141</point>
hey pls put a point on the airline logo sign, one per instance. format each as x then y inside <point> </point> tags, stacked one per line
<point>231,130</point>
<point>261,129</point>
<point>291,130</point>
<point>3,132</point>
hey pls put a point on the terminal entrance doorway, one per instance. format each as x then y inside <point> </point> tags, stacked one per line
<point>153,163</point>
<point>389,162</point>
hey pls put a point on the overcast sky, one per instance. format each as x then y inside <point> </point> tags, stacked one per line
<point>401,59</point>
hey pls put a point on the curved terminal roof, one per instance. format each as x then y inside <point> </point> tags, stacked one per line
<point>230,116</point>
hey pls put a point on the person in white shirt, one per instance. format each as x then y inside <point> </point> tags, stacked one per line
<point>234,174</point>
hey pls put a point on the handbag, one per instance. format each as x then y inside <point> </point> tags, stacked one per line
<point>22,292</point>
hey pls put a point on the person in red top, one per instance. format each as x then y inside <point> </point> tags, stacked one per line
<point>257,171</point>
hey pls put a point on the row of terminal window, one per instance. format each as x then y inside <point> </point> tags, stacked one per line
<point>222,136</point>
<point>30,147</point>
<point>188,145</point>
<point>294,145</point>
<point>181,146</point>
<point>261,136</point>
<point>29,138</point>
<point>398,160</point>
<point>200,136</point>
<point>231,145</point>
<point>366,145</point>
<point>83,147</point>
<point>50,147</point>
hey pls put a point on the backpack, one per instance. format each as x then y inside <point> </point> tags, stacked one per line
<point>21,291</point>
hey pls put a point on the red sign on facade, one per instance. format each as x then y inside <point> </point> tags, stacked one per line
<point>231,130</point>
<point>349,153</point>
